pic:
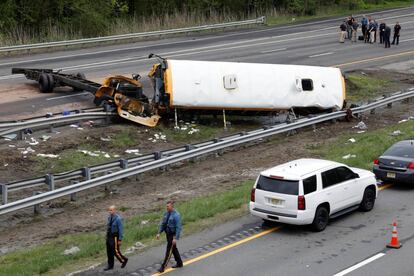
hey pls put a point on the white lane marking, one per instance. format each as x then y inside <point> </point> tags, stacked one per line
<point>6,77</point>
<point>274,50</point>
<point>358,265</point>
<point>67,96</point>
<point>320,55</point>
<point>405,40</point>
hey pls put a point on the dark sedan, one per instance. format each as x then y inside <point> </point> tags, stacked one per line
<point>397,163</point>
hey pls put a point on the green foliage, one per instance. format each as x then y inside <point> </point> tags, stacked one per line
<point>27,21</point>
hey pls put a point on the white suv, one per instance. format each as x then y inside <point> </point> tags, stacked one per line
<point>310,191</point>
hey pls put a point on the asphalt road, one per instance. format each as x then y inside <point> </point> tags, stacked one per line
<point>313,43</point>
<point>246,247</point>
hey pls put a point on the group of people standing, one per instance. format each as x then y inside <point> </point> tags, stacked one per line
<point>369,28</point>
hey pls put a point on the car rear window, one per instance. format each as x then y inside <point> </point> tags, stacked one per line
<point>401,151</point>
<point>281,186</point>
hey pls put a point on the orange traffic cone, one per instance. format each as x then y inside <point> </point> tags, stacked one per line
<point>394,239</point>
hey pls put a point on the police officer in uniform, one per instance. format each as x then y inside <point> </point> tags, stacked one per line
<point>114,235</point>
<point>397,29</point>
<point>171,225</point>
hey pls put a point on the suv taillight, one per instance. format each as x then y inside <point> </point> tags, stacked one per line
<point>253,195</point>
<point>411,166</point>
<point>301,203</point>
<point>376,162</point>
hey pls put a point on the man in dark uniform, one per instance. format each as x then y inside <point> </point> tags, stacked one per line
<point>387,37</point>
<point>397,29</point>
<point>381,31</point>
<point>114,236</point>
<point>171,225</point>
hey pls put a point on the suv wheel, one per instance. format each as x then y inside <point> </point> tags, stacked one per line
<point>321,219</point>
<point>368,200</point>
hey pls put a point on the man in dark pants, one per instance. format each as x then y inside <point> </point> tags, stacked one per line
<point>114,235</point>
<point>381,31</point>
<point>387,37</point>
<point>171,225</point>
<point>397,29</point>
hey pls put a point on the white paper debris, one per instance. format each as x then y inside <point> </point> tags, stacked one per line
<point>12,146</point>
<point>352,140</point>
<point>348,156</point>
<point>6,164</point>
<point>106,139</point>
<point>403,121</point>
<point>396,133</point>
<point>87,152</point>
<point>361,125</point>
<point>71,251</point>
<point>361,131</point>
<point>47,155</point>
<point>33,142</point>
<point>45,137</point>
<point>107,155</point>
<point>74,126</point>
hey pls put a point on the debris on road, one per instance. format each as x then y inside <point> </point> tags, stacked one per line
<point>135,247</point>
<point>133,151</point>
<point>90,153</point>
<point>352,140</point>
<point>47,155</point>
<point>33,142</point>
<point>71,251</point>
<point>348,156</point>
<point>396,132</point>
<point>45,137</point>
<point>106,139</point>
<point>361,125</point>
<point>361,131</point>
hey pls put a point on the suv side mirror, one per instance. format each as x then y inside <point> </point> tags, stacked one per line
<point>356,175</point>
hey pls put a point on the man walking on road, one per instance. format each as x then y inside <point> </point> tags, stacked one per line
<point>364,26</point>
<point>114,235</point>
<point>397,29</point>
<point>387,37</point>
<point>171,225</point>
<point>354,31</point>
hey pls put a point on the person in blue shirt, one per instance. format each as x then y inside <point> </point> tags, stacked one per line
<point>114,236</point>
<point>171,225</point>
<point>364,25</point>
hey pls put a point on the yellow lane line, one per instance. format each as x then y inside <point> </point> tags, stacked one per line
<point>386,186</point>
<point>221,249</point>
<point>374,59</point>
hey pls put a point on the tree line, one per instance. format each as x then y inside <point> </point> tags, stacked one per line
<point>87,18</point>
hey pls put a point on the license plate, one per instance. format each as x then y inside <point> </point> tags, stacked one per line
<point>276,201</point>
<point>391,175</point>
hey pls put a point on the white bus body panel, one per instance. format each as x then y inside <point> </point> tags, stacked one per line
<point>252,86</point>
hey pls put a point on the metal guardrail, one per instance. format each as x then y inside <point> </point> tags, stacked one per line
<point>158,160</point>
<point>260,20</point>
<point>53,120</point>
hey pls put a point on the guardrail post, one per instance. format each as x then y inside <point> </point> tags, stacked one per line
<point>188,147</point>
<point>20,135</point>
<point>50,181</point>
<point>36,207</point>
<point>123,163</point>
<point>107,184</point>
<point>73,196</point>
<point>389,105</point>
<point>157,155</point>
<point>86,172</point>
<point>4,194</point>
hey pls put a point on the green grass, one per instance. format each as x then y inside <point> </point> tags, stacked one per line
<point>48,258</point>
<point>367,147</point>
<point>362,87</point>
<point>335,10</point>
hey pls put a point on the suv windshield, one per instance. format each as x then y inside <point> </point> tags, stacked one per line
<point>281,186</point>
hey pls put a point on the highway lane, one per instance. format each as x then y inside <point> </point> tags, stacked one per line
<point>313,43</point>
